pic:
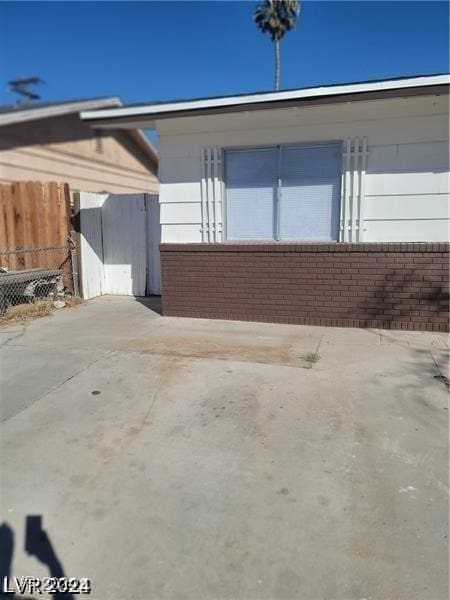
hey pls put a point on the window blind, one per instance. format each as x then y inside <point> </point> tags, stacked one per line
<point>310,192</point>
<point>286,192</point>
<point>251,188</point>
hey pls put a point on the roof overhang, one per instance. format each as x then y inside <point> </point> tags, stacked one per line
<point>145,115</point>
<point>34,113</point>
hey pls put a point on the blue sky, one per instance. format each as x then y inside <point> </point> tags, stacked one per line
<point>145,51</point>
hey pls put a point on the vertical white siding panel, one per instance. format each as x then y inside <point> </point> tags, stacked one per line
<point>204,198</point>
<point>362,190</point>
<point>355,191</point>
<point>342,205</point>
<point>215,183</point>
<point>91,244</point>
<point>347,189</point>
<point>221,190</point>
<point>210,195</point>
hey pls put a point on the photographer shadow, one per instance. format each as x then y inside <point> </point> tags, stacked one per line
<point>38,544</point>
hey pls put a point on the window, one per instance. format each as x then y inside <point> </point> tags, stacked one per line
<point>283,193</point>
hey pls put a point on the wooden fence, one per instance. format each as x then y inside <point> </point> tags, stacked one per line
<point>34,221</point>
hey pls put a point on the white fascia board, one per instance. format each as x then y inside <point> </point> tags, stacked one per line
<point>154,110</point>
<point>35,113</point>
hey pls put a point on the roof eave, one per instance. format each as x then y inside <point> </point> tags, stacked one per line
<point>148,121</point>
<point>147,115</point>
<point>36,113</point>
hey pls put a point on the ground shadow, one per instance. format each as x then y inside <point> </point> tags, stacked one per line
<point>6,555</point>
<point>153,303</point>
<point>38,544</point>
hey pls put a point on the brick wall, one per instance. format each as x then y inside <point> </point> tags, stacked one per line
<point>389,285</point>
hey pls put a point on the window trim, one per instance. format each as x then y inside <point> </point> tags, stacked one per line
<point>309,144</point>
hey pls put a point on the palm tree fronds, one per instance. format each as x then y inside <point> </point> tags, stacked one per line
<point>276,17</point>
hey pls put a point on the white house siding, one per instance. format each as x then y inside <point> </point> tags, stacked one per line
<point>407,174</point>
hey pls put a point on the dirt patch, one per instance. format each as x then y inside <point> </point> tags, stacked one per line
<point>279,353</point>
<point>22,313</point>
<point>73,301</point>
<point>25,312</point>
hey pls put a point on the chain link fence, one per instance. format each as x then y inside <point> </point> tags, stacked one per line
<point>32,280</point>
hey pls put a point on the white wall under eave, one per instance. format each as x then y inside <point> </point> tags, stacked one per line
<point>407,180</point>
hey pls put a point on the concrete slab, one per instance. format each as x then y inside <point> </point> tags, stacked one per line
<point>213,464</point>
<point>45,370</point>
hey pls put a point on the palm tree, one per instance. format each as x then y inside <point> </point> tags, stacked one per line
<point>276,17</point>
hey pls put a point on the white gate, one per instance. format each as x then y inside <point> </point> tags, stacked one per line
<point>119,244</point>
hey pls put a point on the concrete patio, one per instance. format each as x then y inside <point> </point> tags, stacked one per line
<point>210,460</point>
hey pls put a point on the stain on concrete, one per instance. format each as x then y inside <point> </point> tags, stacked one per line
<point>278,351</point>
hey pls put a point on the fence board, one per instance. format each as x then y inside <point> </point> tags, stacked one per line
<point>31,222</point>
<point>46,236</point>
<point>65,226</point>
<point>3,221</point>
<point>41,218</point>
<point>54,212</point>
<point>19,230</point>
<point>10,238</point>
<point>34,226</point>
<point>33,215</point>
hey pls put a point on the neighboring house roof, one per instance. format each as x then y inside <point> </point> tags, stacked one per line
<point>148,113</point>
<point>29,112</point>
<point>21,113</point>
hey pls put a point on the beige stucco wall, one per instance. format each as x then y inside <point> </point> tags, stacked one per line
<point>66,149</point>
